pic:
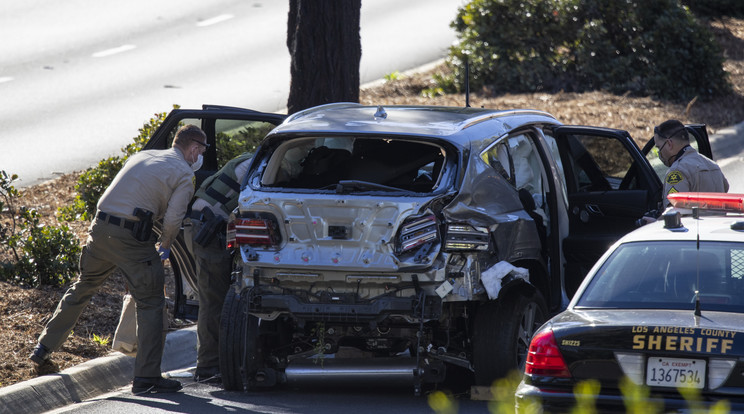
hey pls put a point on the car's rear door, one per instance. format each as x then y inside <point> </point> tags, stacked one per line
<point>609,185</point>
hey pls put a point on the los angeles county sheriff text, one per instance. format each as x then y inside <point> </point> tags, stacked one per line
<point>671,338</point>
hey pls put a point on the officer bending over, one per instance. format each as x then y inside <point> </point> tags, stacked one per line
<point>152,185</point>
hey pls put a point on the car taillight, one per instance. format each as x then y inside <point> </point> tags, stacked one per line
<point>544,358</point>
<point>466,237</point>
<point>416,232</point>
<point>256,232</point>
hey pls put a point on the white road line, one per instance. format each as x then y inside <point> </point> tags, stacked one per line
<point>4,79</point>
<point>114,51</point>
<point>214,20</point>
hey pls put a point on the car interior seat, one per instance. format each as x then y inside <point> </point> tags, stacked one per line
<point>324,166</point>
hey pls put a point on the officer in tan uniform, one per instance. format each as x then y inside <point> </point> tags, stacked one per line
<point>215,200</point>
<point>152,185</point>
<point>688,169</point>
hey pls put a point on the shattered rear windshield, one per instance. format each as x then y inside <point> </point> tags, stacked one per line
<point>355,164</point>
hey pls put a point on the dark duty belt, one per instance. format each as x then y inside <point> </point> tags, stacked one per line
<point>116,221</point>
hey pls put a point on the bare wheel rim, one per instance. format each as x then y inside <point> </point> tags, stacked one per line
<point>527,326</point>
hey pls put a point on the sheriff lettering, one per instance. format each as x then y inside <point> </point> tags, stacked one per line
<point>673,338</point>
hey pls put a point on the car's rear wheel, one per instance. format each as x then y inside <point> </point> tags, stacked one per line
<point>502,332</point>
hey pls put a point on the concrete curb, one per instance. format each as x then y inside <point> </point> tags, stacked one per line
<point>92,378</point>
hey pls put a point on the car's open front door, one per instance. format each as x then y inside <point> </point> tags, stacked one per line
<point>609,184</point>
<point>230,132</point>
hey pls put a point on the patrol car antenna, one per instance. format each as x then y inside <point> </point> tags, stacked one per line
<point>696,216</point>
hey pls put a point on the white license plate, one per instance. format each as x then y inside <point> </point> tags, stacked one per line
<point>675,372</point>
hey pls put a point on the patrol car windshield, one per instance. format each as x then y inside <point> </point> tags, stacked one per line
<point>666,275</point>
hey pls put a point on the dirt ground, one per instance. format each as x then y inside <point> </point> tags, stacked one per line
<point>24,312</point>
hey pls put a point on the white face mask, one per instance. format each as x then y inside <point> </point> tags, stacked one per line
<point>198,163</point>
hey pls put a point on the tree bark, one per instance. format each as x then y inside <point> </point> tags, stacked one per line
<point>325,48</point>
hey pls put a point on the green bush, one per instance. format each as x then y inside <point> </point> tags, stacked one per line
<point>94,181</point>
<point>246,139</point>
<point>32,254</point>
<point>647,47</point>
<point>50,254</point>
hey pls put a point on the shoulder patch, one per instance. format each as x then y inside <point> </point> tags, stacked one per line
<point>674,177</point>
<point>193,180</point>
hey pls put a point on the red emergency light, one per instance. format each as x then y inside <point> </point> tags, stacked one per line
<point>730,203</point>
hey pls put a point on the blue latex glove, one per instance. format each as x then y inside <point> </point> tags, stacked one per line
<point>164,253</point>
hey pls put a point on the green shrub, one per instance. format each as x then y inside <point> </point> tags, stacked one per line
<point>246,139</point>
<point>94,181</point>
<point>647,47</point>
<point>33,254</point>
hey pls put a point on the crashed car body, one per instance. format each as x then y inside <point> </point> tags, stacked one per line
<point>391,242</point>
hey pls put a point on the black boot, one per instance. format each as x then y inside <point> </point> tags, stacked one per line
<point>210,375</point>
<point>154,385</point>
<point>40,355</point>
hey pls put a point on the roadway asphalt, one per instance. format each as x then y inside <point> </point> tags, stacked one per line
<point>108,373</point>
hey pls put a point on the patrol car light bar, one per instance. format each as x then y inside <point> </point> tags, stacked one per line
<point>731,203</point>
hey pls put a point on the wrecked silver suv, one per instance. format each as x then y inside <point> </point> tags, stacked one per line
<point>389,243</point>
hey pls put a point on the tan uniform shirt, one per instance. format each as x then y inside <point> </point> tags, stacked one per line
<point>694,172</point>
<point>160,181</point>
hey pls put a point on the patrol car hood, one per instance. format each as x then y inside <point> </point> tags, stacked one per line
<point>590,339</point>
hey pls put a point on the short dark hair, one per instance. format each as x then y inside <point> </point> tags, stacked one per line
<point>187,134</point>
<point>672,128</point>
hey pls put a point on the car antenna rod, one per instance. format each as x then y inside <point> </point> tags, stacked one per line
<point>696,215</point>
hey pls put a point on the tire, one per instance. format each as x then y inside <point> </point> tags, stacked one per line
<point>502,332</point>
<point>232,341</point>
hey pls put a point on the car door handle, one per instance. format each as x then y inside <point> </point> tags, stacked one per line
<point>593,209</point>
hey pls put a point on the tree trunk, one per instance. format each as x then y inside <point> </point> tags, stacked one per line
<point>325,46</point>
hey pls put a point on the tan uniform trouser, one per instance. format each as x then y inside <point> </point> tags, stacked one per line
<point>107,248</point>
<point>213,265</point>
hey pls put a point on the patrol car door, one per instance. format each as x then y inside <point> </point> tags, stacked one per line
<point>698,139</point>
<point>609,186</point>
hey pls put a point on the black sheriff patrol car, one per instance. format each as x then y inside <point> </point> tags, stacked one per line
<point>662,312</point>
